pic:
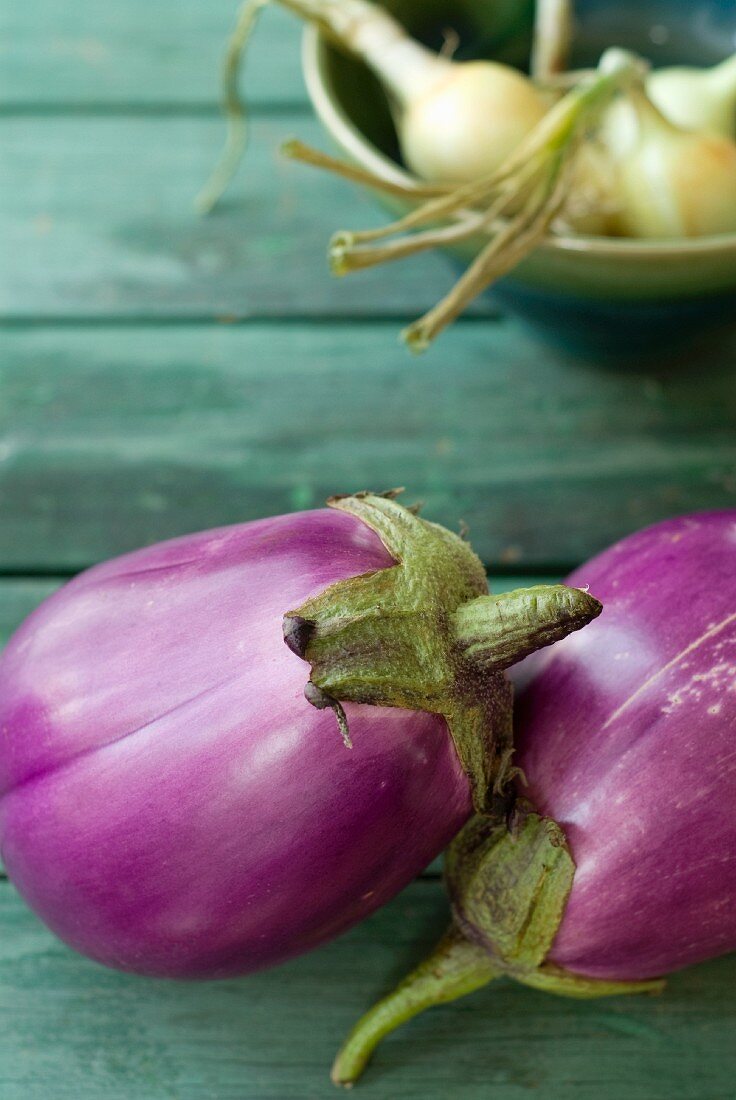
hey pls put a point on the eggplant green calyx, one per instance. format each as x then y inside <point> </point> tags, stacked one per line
<point>509,882</point>
<point>497,631</point>
<point>425,635</point>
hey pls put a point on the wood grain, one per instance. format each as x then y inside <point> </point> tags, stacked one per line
<point>112,437</point>
<point>160,55</point>
<point>97,213</point>
<point>71,1029</point>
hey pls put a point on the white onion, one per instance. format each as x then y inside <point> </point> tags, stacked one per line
<point>467,124</point>
<point>698,99</point>
<point>456,121</point>
<point>673,182</point>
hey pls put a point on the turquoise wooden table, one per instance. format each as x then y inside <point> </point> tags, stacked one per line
<point>162,373</point>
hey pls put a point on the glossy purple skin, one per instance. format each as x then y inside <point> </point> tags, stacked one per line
<point>169,802</point>
<point>628,739</point>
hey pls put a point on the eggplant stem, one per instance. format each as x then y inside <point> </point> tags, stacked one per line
<point>455,968</point>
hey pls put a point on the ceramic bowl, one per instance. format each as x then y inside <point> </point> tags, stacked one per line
<point>605,294</point>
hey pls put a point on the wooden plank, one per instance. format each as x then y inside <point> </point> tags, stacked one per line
<point>19,596</point>
<point>73,1030</point>
<point>166,54</point>
<point>90,55</point>
<point>97,216</point>
<point>112,437</point>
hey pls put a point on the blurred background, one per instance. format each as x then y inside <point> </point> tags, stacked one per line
<point>162,373</point>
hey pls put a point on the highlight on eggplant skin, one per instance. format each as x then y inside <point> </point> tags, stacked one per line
<point>627,735</point>
<point>171,803</point>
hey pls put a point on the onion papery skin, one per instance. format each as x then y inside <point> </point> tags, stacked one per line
<point>627,737</point>
<point>170,804</point>
<point>469,123</point>
<point>678,185</point>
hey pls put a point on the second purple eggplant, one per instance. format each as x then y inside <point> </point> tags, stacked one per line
<point>616,861</point>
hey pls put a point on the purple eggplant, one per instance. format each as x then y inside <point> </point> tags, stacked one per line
<point>171,803</point>
<point>615,860</point>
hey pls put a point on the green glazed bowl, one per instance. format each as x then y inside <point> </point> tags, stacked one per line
<point>595,293</point>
